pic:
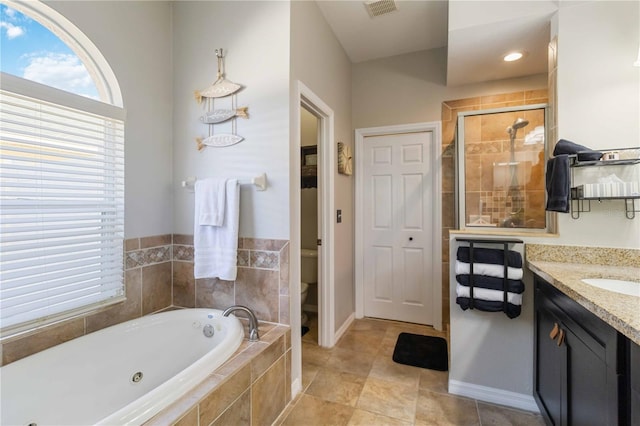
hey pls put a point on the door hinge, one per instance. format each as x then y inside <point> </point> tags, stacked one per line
<point>319,241</point>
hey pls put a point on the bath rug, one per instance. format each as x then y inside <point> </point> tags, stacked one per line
<point>305,330</point>
<point>421,351</point>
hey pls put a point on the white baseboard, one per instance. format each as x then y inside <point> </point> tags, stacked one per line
<point>296,388</point>
<point>493,395</point>
<point>343,328</point>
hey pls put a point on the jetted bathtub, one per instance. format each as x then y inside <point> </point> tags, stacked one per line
<point>124,374</point>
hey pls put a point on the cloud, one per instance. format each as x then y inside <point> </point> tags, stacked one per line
<point>60,70</point>
<point>11,30</point>
<point>11,13</point>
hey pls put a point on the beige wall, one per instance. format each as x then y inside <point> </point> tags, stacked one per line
<point>135,39</point>
<point>410,88</point>
<point>318,60</point>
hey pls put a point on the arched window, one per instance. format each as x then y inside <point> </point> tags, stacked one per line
<point>61,172</point>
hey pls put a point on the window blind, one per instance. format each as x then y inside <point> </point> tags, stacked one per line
<point>61,204</point>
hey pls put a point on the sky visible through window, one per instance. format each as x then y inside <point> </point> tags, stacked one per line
<point>30,51</point>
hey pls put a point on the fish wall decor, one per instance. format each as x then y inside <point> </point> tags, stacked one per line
<point>221,115</point>
<point>218,141</point>
<point>221,87</point>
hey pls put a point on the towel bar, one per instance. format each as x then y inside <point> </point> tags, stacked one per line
<point>259,181</point>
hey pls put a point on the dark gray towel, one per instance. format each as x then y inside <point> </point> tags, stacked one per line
<point>485,255</point>
<point>584,154</point>
<point>492,283</point>
<point>558,184</point>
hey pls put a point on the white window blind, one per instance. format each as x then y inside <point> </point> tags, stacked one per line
<point>61,204</point>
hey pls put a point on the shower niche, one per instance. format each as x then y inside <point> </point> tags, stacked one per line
<point>500,180</point>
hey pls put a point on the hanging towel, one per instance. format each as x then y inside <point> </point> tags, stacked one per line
<point>493,283</point>
<point>210,201</point>
<point>216,247</point>
<point>488,295</point>
<point>511,310</point>
<point>584,154</point>
<point>491,270</point>
<point>558,184</point>
<point>484,255</point>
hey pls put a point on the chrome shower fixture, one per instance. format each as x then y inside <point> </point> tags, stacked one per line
<point>518,124</point>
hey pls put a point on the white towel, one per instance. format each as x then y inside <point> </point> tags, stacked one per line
<point>489,269</point>
<point>488,295</point>
<point>216,247</point>
<point>210,201</point>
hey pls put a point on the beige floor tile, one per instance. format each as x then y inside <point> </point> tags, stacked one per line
<point>309,372</point>
<point>365,341</point>
<point>337,386</point>
<point>312,411</point>
<point>496,415</point>
<point>434,381</point>
<point>366,418</point>
<point>349,361</point>
<point>369,324</point>
<point>314,354</point>
<point>392,399</point>
<point>385,368</point>
<point>445,410</point>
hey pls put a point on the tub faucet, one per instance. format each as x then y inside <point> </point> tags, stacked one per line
<point>253,322</point>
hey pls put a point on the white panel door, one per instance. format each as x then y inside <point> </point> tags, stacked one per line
<point>397,227</point>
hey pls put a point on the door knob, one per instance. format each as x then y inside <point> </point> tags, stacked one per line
<point>410,238</point>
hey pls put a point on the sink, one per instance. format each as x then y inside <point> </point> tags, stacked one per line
<point>630,288</point>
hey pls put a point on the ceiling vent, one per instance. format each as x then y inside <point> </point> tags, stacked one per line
<point>380,7</point>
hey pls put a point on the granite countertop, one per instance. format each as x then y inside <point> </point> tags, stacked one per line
<point>620,311</point>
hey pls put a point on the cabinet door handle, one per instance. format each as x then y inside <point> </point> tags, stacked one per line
<point>554,332</point>
<point>561,338</point>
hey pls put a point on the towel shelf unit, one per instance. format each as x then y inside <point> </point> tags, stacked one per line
<point>505,248</point>
<point>582,204</point>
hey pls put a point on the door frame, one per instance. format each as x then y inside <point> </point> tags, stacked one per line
<point>435,127</point>
<point>326,182</point>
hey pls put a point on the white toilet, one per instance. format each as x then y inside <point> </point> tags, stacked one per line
<point>308,274</point>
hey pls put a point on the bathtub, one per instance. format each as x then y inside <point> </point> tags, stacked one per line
<point>123,374</point>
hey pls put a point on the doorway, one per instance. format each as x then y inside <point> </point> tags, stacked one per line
<point>310,226</point>
<point>399,225</point>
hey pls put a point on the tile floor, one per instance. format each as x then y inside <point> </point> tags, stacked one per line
<point>357,383</point>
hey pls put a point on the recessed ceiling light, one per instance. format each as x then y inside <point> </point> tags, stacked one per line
<point>513,56</point>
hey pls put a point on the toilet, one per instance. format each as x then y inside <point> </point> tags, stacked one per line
<point>308,275</point>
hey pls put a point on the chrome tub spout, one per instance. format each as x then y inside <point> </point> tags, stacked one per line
<point>254,336</point>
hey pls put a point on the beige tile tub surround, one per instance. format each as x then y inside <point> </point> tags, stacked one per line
<point>250,389</point>
<point>148,281</point>
<point>262,282</point>
<point>565,266</point>
<point>159,275</point>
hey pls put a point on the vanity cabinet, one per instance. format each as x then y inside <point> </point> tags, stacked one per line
<point>580,363</point>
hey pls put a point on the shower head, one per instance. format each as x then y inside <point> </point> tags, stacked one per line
<point>518,124</point>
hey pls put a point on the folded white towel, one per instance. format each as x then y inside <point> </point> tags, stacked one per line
<point>489,295</point>
<point>216,247</point>
<point>210,201</point>
<point>488,269</point>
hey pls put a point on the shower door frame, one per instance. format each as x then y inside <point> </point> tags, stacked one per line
<point>460,188</point>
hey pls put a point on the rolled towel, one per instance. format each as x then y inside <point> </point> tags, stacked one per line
<point>484,255</point>
<point>558,182</point>
<point>584,154</point>
<point>512,311</point>
<point>488,295</point>
<point>488,269</point>
<point>513,286</point>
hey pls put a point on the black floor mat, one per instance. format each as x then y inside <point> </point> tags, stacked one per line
<point>421,351</point>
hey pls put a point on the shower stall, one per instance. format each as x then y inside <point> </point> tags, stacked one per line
<point>500,178</point>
